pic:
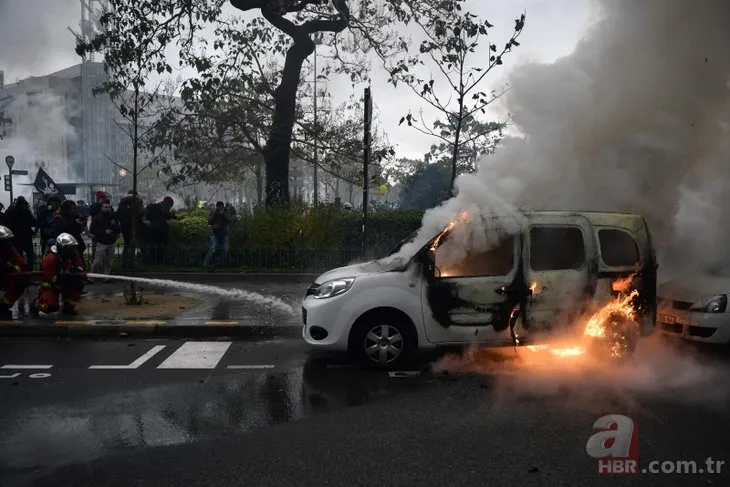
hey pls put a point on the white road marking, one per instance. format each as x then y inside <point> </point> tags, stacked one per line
<point>196,355</point>
<point>26,367</point>
<point>10,376</point>
<point>42,375</point>
<point>250,367</point>
<point>134,365</point>
<point>405,373</point>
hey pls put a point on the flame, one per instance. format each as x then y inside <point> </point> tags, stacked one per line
<point>623,305</point>
<point>568,351</point>
<point>623,285</point>
<point>462,218</point>
<point>534,288</point>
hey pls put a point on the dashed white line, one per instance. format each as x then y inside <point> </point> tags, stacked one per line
<point>254,367</point>
<point>196,355</point>
<point>26,367</point>
<point>10,376</point>
<point>134,365</point>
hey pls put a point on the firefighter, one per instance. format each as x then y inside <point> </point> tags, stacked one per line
<point>11,262</point>
<point>62,273</point>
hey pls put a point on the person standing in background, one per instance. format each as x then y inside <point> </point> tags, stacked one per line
<point>20,220</point>
<point>131,209</point>
<point>219,221</point>
<point>105,229</point>
<point>159,214</point>
<point>45,217</point>
<point>95,209</point>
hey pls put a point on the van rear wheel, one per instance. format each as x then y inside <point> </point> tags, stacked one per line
<point>382,341</point>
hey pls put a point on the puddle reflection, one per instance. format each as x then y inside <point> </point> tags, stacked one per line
<point>181,412</point>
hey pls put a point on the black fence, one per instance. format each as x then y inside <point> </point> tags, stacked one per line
<point>173,257</point>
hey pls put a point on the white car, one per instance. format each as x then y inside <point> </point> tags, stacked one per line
<point>695,308</point>
<point>382,311</point>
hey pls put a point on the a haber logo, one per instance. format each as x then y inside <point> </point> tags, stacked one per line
<point>615,445</point>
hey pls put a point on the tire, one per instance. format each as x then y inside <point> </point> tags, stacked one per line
<point>383,341</point>
<point>620,340</point>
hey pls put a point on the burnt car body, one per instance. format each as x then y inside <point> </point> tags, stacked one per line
<point>531,282</point>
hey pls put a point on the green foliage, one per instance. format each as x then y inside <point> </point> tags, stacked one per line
<point>458,97</point>
<point>320,229</point>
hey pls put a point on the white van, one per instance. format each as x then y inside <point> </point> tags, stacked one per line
<point>383,311</point>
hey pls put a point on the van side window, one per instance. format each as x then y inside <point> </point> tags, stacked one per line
<point>556,248</point>
<point>494,262</point>
<point>618,248</point>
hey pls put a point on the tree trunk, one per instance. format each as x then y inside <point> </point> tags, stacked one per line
<point>276,153</point>
<point>259,183</point>
<point>455,152</point>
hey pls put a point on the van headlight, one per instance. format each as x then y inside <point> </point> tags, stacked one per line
<point>713,304</point>
<point>334,288</point>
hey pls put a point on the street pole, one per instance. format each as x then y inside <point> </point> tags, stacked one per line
<point>10,161</point>
<point>316,135</point>
<point>366,161</point>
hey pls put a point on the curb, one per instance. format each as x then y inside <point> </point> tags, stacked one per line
<point>146,329</point>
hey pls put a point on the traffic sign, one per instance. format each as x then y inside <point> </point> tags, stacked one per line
<point>7,183</point>
<point>10,160</point>
<point>19,172</point>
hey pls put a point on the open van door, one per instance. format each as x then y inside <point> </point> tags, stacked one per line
<point>560,262</point>
<point>470,299</point>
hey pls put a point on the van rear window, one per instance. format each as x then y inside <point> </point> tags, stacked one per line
<point>618,248</point>
<point>556,248</point>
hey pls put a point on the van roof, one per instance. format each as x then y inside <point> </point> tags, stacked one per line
<point>633,221</point>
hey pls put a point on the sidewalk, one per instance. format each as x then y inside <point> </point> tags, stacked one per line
<point>213,316</point>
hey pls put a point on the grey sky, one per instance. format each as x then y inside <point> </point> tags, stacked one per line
<point>34,40</point>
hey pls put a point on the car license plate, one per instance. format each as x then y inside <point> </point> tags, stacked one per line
<point>669,320</point>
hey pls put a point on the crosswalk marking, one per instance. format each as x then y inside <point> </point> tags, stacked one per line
<point>225,323</point>
<point>134,365</point>
<point>196,355</point>
<point>26,367</point>
<point>146,322</point>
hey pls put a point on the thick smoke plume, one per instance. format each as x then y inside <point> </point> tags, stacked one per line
<point>637,119</point>
<point>40,131</point>
<point>27,44</point>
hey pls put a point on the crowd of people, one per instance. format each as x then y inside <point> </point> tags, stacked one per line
<point>62,226</point>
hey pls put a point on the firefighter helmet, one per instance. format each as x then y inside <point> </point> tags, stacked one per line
<point>6,233</point>
<point>66,240</point>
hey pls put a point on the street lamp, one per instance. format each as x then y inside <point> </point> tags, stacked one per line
<point>317,39</point>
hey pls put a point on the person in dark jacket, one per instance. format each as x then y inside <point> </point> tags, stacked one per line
<point>67,221</point>
<point>46,214</point>
<point>20,220</point>
<point>219,221</point>
<point>130,210</point>
<point>159,214</point>
<point>95,208</point>
<point>105,228</point>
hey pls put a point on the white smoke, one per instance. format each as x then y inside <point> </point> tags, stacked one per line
<point>40,135</point>
<point>634,120</point>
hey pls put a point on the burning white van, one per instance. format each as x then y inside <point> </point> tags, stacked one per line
<point>597,270</point>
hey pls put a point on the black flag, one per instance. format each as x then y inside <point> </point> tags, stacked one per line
<point>45,185</point>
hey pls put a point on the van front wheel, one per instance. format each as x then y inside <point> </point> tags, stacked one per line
<point>382,342</point>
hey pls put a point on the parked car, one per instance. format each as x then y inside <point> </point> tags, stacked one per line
<point>383,311</point>
<point>695,308</point>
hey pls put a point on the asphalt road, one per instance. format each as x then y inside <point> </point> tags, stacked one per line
<point>215,413</point>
